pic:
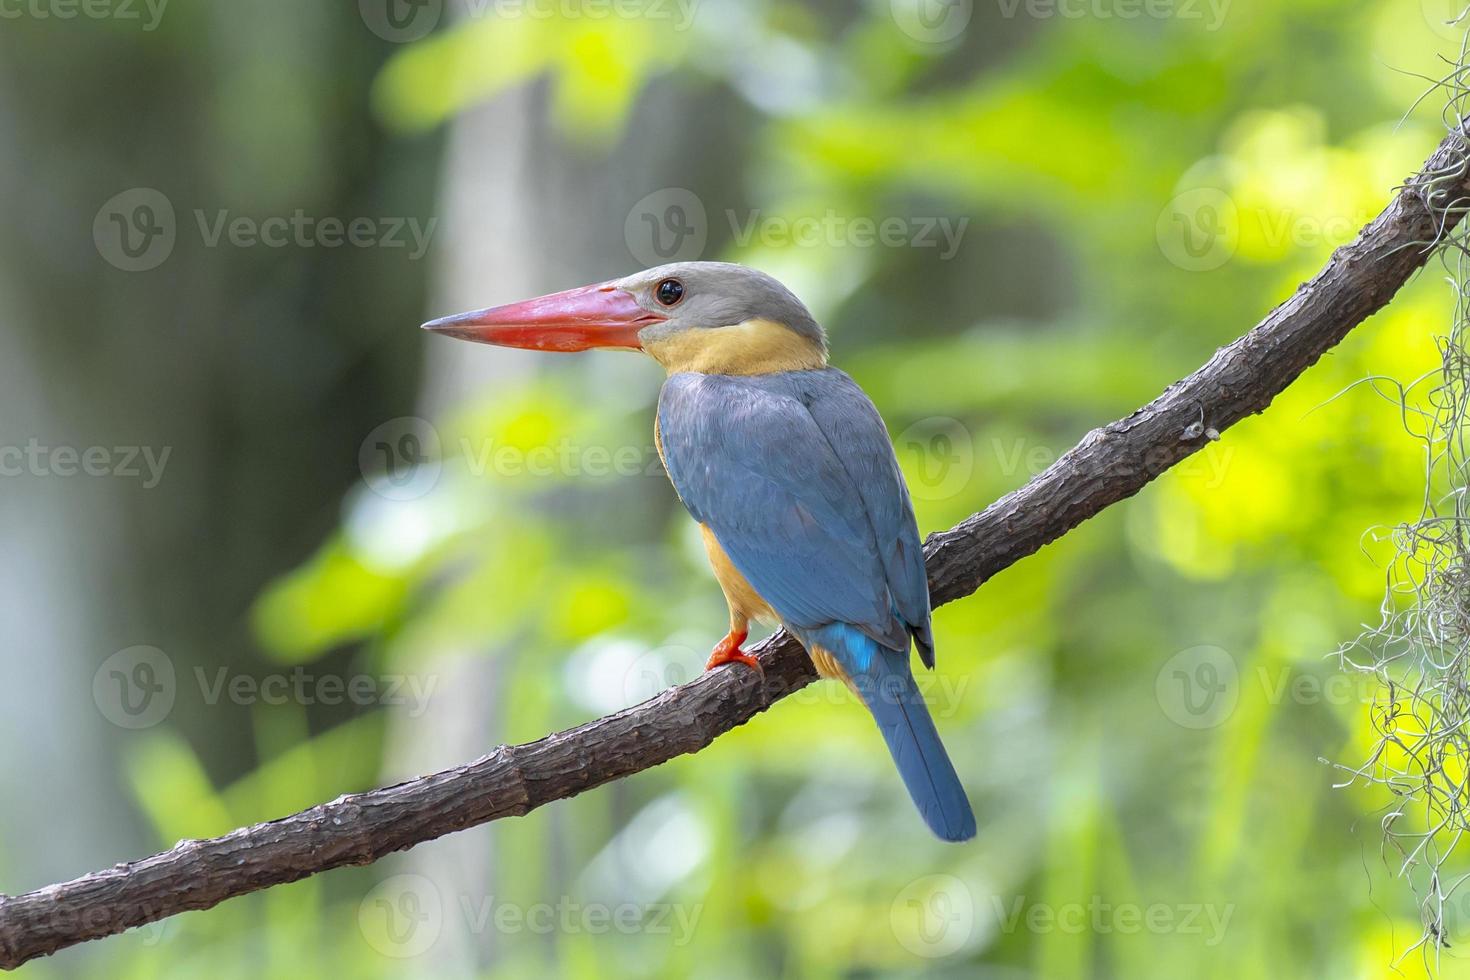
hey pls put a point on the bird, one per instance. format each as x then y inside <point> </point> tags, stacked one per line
<point>789,471</point>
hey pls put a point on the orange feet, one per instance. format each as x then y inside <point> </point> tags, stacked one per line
<point>728,651</point>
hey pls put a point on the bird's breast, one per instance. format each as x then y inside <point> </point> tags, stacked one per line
<point>739,593</point>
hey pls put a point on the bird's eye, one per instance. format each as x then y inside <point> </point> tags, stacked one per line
<point>669,292</point>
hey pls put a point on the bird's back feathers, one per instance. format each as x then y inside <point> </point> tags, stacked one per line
<point>795,476</point>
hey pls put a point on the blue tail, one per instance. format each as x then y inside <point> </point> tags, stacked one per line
<point>886,685</point>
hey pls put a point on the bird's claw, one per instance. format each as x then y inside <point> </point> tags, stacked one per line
<point>736,656</point>
<point>728,651</point>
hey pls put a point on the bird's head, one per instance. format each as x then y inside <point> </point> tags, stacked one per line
<point>711,317</point>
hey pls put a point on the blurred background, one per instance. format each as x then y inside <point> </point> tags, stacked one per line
<point>266,543</point>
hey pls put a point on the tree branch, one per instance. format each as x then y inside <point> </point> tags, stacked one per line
<point>1108,465</point>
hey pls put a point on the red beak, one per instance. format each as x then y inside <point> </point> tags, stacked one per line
<point>600,315</point>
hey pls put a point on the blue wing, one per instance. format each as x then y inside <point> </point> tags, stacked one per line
<point>795,475</point>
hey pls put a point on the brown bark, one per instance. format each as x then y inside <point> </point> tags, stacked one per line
<point>1108,465</point>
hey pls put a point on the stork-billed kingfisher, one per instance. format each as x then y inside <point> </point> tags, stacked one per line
<point>788,469</point>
